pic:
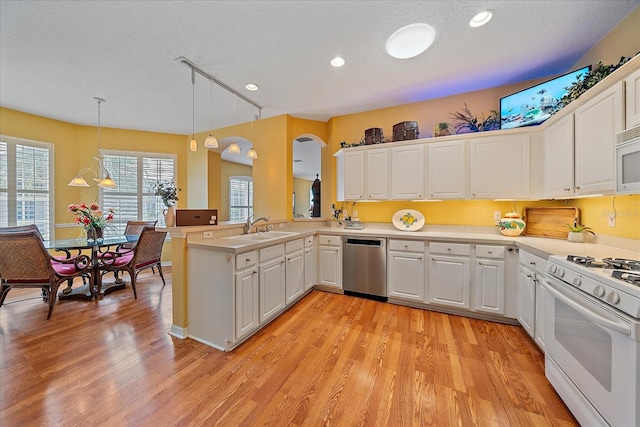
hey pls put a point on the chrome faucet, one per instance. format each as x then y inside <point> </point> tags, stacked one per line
<point>250,223</point>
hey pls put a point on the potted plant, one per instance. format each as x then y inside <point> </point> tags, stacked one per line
<point>577,232</point>
<point>168,191</point>
<point>464,119</point>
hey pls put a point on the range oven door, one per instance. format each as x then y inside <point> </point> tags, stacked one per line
<point>597,351</point>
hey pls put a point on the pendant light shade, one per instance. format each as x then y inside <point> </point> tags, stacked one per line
<point>211,141</point>
<point>78,181</point>
<point>193,145</point>
<point>234,148</point>
<point>252,154</point>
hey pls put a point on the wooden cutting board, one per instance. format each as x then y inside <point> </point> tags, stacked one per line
<point>550,222</point>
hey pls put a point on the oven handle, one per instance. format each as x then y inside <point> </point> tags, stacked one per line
<point>602,321</point>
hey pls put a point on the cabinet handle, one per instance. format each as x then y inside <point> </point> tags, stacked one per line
<point>528,276</point>
<point>449,249</point>
<point>254,272</point>
<point>490,252</point>
<point>533,263</point>
<point>247,260</point>
<point>473,194</point>
<point>576,188</point>
<point>566,189</point>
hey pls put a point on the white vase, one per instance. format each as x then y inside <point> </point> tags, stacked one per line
<point>576,236</point>
<point>170,216</point>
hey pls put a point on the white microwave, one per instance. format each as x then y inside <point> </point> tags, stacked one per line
<point>628,161</point>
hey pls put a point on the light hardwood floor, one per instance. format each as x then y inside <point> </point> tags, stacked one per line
<point>329,360</point>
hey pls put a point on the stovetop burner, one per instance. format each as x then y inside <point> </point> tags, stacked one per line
<point>633,278</point>
<point>614,263</point>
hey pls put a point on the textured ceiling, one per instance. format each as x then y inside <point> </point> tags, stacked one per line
<point>56,55</point>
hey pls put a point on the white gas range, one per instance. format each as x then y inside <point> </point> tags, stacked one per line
<point>592,328</point>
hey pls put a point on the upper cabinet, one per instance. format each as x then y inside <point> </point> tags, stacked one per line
<point>407,172</point>
<point>499,166</point>
<point>377,166</point>
<point>350,175</point>
<point>558,159</point>
<point>632,87</point>
<point>596,124</point>
<point>447,170</point>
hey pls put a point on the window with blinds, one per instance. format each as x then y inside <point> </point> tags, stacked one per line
<point>240,198</point>
<point>26,182</point>
<point>136,175</point>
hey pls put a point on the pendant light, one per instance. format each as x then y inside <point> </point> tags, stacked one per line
<point>234,148</point>
<point>107,181</point>
<point>252,154</point>
<point>194,144</point>
<point>211,141</point>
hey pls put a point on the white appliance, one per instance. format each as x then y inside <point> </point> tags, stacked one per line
<point>628,161</point>
<point>592,337</point>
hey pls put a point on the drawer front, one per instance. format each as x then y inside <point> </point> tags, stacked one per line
<point>294,245</point>
<point>484,251</point>
<point>449,248</point>
<point>329,240</point>
<point>406,246</point>
<point>246,260</point>
<point>308,241</point>
<point>271,252</point>
<point>533,261</point>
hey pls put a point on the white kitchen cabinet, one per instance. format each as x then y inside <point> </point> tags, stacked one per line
<point>377,166</point>
<point>539,320</point>
<point>489,280</point>
<point>272,282</point>
<point>596,124</point>
<point>330,261</point>
<point>527,299</point>
<point>350,176</point>
<point>558,176</point>
<point>406,270</point>
<point>246,302</point>
<point>407,172</point>
<point>309,263</point>
<point>447,170</point>
<point>449,275</point>
<point>499,166</point>
<point>632,100</point>
<point>294,271</point>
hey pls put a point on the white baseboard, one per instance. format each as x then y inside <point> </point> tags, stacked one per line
<point>179,332</point>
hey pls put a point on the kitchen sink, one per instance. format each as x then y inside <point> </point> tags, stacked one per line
<point>262,236</point>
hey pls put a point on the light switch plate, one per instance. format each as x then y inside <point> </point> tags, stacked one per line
<point>497,215</point>
<point>612,219</point>
<point>207,234</point>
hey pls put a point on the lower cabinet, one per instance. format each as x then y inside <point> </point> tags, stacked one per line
<point>527,299</point>
<point>309,263</point>
<point>330,261</point>
<point>294,271</point>
<point>449,275</point>
<point>246,302</point>
<point>489,283</point>
<point>406,270</point>
<point>272,282</point>
<point>539,322</point>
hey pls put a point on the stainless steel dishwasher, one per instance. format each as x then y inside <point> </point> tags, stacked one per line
<point>364,266</point>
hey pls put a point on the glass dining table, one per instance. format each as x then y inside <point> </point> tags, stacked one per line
<point>94,288</point>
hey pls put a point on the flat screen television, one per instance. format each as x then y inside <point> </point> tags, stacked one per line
<point>536,104</point>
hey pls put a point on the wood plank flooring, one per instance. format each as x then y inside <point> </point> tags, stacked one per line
<point>329,360</point>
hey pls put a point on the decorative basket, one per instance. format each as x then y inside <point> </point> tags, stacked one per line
<point>373,136</point>
<point>405,131</point>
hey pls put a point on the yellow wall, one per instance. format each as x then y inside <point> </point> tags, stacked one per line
<point>214,168</point>
<point>227,170</point>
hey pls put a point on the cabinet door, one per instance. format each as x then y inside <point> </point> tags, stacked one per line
<point>539,326</point>
<point>377,187</point>
<point>309,268</point>
<point>246,302</point>
<point>558,159</point>
<point>597,123</point>
<point>329,266</point>
<point>294,276</point>
<point>406,273</point>
<point>447,170</point>
<point>449,281</point>
<point>407,172</point>
<point>527,299</point>
<point>632,98</point>
<point>354,175</point>
<point>489,286</point>
<point>272,299</point>
<point>499,166</point>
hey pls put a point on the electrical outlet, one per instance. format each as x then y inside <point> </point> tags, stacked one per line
<point>281,225</point>
<point>207,234</point>
<point>612,219</point>
<point>497,215</point>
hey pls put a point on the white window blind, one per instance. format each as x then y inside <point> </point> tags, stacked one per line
<point>136,175</point>
<point>240,198</point>
<point>26,183</point>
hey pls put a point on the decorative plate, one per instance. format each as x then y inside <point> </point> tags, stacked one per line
<point>408,220</point>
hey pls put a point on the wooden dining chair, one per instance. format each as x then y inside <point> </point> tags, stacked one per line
<point>145,254</point>
<point>26,263</point>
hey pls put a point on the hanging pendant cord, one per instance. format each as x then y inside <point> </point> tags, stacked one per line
<point>193,104</point>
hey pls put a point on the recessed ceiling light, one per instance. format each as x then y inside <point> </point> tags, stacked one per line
<point>410,41</point>
<point>252,86</point>
<point>481,18</point>
<point>337,62</point>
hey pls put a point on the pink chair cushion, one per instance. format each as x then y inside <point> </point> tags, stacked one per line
<point>64,269</point>
<point>120,261</point>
